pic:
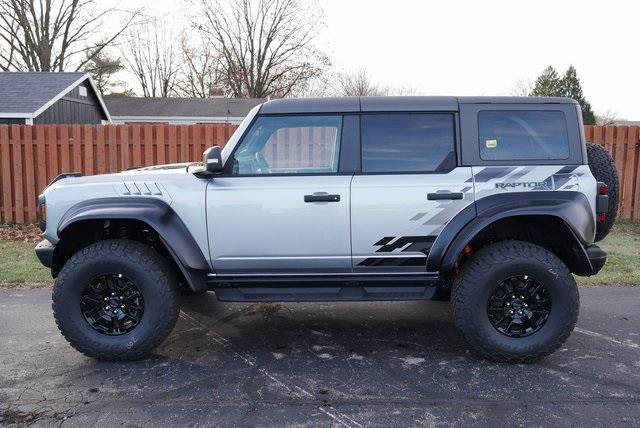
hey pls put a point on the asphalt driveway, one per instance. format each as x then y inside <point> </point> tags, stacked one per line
<point>339,364</point>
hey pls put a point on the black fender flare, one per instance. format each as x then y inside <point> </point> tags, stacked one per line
<point>158,215</point>
<point>572,208</point>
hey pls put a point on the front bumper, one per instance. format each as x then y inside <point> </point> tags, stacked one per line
<point>597,258</point>
<point>44,251</point>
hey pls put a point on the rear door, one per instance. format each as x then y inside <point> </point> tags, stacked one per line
<point>408,189</point>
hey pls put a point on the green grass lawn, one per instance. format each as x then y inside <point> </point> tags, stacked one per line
<point>20,267</point>
<point>623,262</point>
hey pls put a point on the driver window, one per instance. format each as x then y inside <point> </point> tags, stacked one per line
<point>290,145</point>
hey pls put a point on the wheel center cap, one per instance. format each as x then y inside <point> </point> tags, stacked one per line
<point>516,304</point>
<point>113,302</point>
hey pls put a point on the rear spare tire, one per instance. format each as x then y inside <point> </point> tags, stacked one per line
<point>604,169</point>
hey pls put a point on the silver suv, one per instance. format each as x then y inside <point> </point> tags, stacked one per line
<point>488,202</point>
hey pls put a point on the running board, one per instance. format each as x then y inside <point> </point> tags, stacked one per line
<point>305,289</point>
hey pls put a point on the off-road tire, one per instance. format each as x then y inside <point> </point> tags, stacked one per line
<point>150,273</point>
<point>484,271</point>
<point>603,169</point>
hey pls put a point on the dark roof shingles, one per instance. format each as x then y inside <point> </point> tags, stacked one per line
<point>180,107</point>
<point>27,92</point>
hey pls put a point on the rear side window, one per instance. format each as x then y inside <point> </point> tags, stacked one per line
<point>523,135</point>
<point>413,142</point>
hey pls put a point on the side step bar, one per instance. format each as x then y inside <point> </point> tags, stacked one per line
<point>327,288</point>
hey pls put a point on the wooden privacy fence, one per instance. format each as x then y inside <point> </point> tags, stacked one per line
<point>622,142</point>
<point>30,156</point>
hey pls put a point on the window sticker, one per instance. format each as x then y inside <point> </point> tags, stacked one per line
<point>491,144</point>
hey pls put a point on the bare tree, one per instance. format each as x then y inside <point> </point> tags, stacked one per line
<point>268,47</point>
<point>55,35</point>
<point>202,68</point>
<point>360,84</point>
<point>607,117</point>
<point>522,88</point>
<point>152,58</point>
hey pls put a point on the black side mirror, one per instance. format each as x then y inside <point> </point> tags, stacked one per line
<point>212,159</point>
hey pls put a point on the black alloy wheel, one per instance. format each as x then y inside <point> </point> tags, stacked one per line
<point>112,304</point>
<point>519,306</point>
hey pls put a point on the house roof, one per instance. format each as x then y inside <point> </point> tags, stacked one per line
<point>138,107</point>
<point>29,94</point>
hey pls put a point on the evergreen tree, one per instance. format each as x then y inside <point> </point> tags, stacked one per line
<point>570,87</point>
<point>102,68</point>
<point>548,84</point>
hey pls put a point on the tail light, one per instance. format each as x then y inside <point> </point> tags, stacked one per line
<point>602,202</point>
<point>603,189</point>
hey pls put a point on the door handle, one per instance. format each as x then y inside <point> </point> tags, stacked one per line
<point>321,197</point>
<point>444,196</point>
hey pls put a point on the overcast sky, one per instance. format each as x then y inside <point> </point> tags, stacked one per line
<point>481,47</point>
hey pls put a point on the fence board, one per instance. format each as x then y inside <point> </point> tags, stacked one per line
<point>628,174</point>
<point>5,165</point>
<point>18,173</point>
<point>30,173</point>
<point>30,156</point>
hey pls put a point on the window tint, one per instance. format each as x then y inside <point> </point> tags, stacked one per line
<point>515,135</point>
<point>414,142</point>
<point>290,145</point>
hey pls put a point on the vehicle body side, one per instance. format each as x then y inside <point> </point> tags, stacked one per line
<point>227,225</point>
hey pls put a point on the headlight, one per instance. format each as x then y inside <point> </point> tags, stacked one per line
<point>42,213</point>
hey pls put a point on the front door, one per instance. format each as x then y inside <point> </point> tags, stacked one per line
<point>282,208</point>
<point>408,190</point>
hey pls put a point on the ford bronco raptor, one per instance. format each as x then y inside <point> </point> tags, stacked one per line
<point>487,201</point>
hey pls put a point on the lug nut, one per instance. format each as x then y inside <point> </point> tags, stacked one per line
<point>511,312</point>
<point>106,308</point>
<point>525,305</point>
<point>122,306</point>
<point>113,294</point>
<point>121,297</point>
<point>508,304</point>
<point>106,298</point>
<point>519,312</point>
<point>513,296</point>
<point>521,297</point>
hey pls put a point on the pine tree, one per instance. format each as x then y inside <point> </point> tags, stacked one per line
<point>548,84</point>
<point>571,87</point>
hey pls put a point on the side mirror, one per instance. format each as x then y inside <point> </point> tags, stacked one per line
<point>212,159</point>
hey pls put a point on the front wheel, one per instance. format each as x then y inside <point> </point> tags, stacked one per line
<point>515,302</point>
<point>115,300</point>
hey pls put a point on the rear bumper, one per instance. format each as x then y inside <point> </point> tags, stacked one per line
<point>597,258</point>
<point>44,251</point>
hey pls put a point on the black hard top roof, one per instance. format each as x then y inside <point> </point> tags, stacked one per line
<point>377,104</point>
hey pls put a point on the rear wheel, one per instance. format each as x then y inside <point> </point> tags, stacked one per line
<point>603,169</point>
<point>115,300</point>
<point>515,302</point>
